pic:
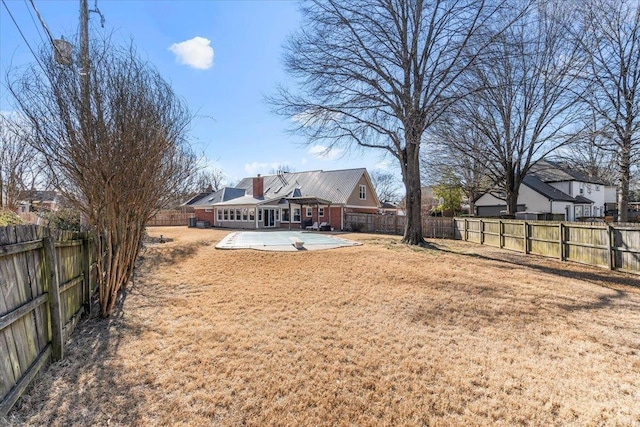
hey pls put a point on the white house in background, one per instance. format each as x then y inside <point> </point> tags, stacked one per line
<point>553,191</point>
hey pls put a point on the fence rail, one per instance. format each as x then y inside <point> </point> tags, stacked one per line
<point>616,247</point>
<point>168,218</point>
<point>46,282</point>
<point>393,224</point>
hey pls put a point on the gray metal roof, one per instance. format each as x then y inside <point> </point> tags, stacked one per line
<point>549,171</point>
<point>222,195</point>
<point>334,186</point>
<point>551,192</point>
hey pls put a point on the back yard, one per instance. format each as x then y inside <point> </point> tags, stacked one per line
<point>379,334</point>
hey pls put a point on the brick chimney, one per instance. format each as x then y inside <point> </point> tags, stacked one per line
<point>258,186</point>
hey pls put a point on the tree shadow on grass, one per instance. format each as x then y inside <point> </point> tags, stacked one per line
<point>168,255</point>
<point>620,284</point>
<point>90,386</point>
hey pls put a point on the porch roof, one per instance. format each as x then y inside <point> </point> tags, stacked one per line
<point>307,201</point>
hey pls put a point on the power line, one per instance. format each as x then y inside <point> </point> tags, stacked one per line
<point>34,21</point>
<point>53,43</point>
<point>22,34</point>
<point>42,22</point>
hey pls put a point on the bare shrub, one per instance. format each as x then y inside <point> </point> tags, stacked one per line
<point>117,151</point>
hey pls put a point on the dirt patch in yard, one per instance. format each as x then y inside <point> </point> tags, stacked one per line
<point>379,334</point>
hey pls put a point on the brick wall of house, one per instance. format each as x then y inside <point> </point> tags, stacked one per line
<point>202,215</point>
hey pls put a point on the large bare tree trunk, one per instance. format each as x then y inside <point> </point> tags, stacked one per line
<point>512,202</point>
<point>624,176</point>
<point>411,177</point>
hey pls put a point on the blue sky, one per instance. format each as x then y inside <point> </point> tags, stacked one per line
<point>222,57</point>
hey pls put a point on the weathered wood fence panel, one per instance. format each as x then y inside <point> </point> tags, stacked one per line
<point>394,224</point>
<point>45,285</point>
<point>599,244</point>
<point>616,247</point>
<point>169,218</point>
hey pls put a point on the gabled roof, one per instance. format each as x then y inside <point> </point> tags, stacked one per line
<point>334,186</point>
<point>222,195</point>
<point>549,171</point>
<point>38,195</point>
<point>551,192</point>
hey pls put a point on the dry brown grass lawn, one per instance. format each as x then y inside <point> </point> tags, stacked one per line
<point>380,334</point>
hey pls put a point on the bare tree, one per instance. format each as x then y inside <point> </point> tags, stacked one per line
<point>116,161</point>
<point>611,38</point>
<point>444,158</point>
<point>18,161</point>
<point>386,186</point>
<point>591,154</point>
<point>525,103</point>
<point>379,73</point>
<point>281,169</point>
<point>206,179</point>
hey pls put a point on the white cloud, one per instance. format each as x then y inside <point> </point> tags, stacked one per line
<point>262,168</point>
<point>384,165</point>
<point>195,52</point>
<point>325,153</point>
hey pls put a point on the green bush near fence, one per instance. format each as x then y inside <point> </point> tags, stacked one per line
<point>8,217</point>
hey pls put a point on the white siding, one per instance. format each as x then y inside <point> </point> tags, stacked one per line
<point>609,194</point>
<point>533,201</point>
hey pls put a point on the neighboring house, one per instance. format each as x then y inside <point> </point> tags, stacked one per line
<point>388,208</point>
<point>428,202</point>
<point>289,200</point>
<point>553,190</point>
<point>38,200</point>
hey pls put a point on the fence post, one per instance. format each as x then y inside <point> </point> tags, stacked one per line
<point>500,233</point>
<point>611,244</point>
<point>86,268</point>
<point>561,240</point>
<point>466,232</point>
<point>57,343</point>
<point>481,231</point>
<point>526,238</point>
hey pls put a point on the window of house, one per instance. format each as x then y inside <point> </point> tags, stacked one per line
<point>232,214</point>
<point>219,212</point>
<point>320,212</point>
<point>285,215</point>
<point>238,214</point>
<point>277,214</point>
<point>309,212</point>
<point>245,214</point>
<point>597,187</point>
<point>252,214</point>
<point>226,214</point>
<point>577,210</point>
<point>587,211</point>
<point>259,215</point>
<point>296,214</point>
<point>363,192</point>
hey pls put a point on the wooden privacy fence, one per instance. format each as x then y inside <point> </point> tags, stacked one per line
<point>616,247</point>
<point>46,282</point>
<point>166,218</point>
<point>432,227</point>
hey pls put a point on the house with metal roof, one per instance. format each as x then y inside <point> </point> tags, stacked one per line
<point>554,191</point>
<point>291,200</point>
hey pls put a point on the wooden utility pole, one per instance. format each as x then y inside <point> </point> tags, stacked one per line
<point>85,64</point>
